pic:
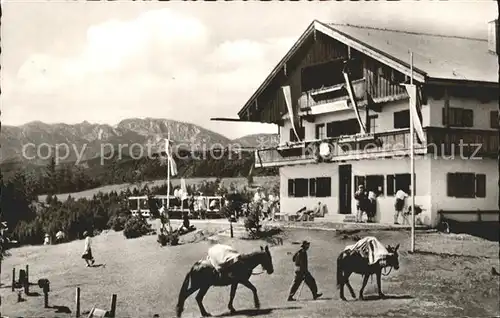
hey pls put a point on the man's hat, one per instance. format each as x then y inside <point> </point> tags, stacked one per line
<point>305,243</point>
<point>85,233</point>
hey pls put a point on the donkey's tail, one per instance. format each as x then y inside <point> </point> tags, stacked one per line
<point>183,294</point>
<point>340,272</point>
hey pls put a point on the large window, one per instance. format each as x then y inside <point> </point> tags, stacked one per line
<point>458,117</point>
<point>343,127</point>
<point>312,187</point>
<point>397,182</point>
<point>301,187</point>
<point>323,187</point>
<point>373,183</point>
<point>329,74</point>
<point>402,119</point>
<point>466,185</point>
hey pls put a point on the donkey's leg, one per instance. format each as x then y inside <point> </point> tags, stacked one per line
<point>254,291</point>
<point>365,281</point>
<point>199,300</point>
<point>231,297</point>
<point>379,284</point>
<point>353,294</point>
<point>344,277</point>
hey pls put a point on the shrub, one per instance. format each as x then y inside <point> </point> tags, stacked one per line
<point>168,239</point>
<point>252,221</point>
<point>118,222</point>
<point>136,226</point>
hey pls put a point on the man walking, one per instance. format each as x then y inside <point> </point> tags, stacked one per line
<point>302,273</point>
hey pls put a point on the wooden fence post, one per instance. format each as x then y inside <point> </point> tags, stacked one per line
<point>113,306</point>
<point>27,282</point>
<point>77,299</point>
<point>13,277</point>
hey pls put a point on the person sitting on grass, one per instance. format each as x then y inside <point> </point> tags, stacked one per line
<point>185,226</point>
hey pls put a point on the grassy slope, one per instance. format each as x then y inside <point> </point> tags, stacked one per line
<point>147,278</point>
<point>240,182</point>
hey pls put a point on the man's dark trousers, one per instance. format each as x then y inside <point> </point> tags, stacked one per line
<point>307,278</point>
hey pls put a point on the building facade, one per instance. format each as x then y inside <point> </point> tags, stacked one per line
<point>330,151</point>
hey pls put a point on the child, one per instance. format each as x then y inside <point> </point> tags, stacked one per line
<point>87,254</point>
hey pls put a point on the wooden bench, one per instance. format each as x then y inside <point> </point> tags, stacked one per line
<point>446,220</point>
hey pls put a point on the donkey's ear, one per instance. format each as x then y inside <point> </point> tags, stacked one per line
<point>396,248</point>
<point>267,248</point>
<point>261,248</point>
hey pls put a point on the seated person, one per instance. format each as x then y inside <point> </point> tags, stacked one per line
<point>303,214</point>
<point>185,226</point>
<point>320,210</point>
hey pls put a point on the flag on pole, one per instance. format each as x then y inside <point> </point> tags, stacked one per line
<point>171,161</point>
<point>415,110</point>
<point>184,192</point>
<point>350,90</point>
<point>288,101</point>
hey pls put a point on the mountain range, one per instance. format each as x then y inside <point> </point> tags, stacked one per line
<point>86,141</point>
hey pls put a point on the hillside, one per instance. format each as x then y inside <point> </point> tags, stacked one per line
<point>198,153</point>
<point>258,140</point>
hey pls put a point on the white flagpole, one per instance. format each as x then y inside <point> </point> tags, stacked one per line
<point>168,170</point>
<point>412,164</point>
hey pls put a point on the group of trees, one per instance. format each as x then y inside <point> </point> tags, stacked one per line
<point>68,178</point>
<point>29,220</point>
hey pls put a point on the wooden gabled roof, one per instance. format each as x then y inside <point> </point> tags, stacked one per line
<point>436,58</point>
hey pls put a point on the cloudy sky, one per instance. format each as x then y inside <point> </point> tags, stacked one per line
<point>189,61</point>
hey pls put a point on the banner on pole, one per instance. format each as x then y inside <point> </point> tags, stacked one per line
<point>415,110</point>
<point>171,162</point>
<point>288,101</point>
<point>350,90</point>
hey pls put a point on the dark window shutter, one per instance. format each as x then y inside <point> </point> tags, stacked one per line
<point>330,130</point>
<point>292,135</point>
<point>481,185</point>
<point>390,184</point>
<point>468,117</point>
<point>494,119</point>
<point>312,187</point>
<point>445,120</point>
<point>291,188</point>
<point>302,133</point>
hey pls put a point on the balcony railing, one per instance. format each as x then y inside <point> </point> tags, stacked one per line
<point>440,141</point>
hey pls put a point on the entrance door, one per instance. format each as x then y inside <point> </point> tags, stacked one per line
<point>345,195</point>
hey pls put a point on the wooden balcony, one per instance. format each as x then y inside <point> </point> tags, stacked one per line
<point>440,141</point>
<point>331,94</point>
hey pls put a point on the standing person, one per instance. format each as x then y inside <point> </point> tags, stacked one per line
<point>46,241</point>
<point>361,197</point>
<point>87,253</point>
<point>371,206</point>
<point>399,204</point>
<point>191,205</point>
<point>302,273</point>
